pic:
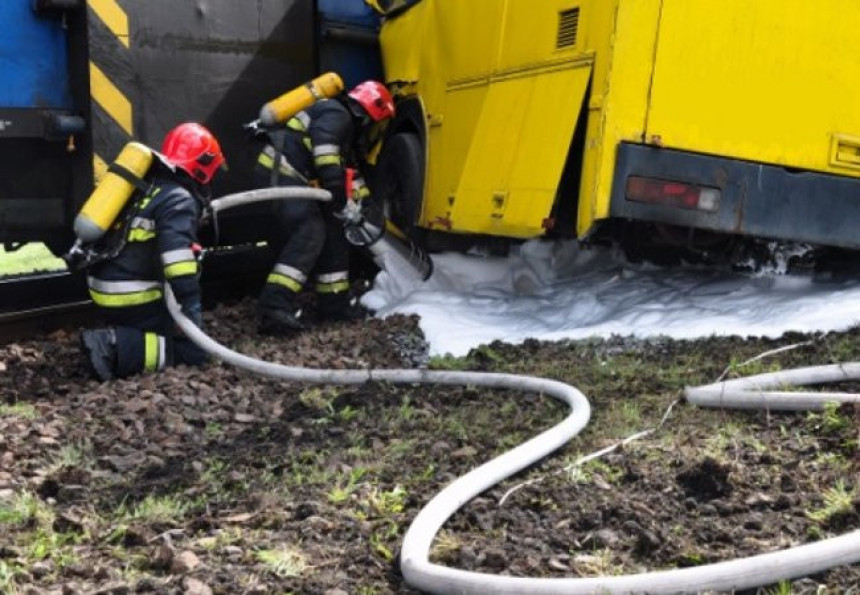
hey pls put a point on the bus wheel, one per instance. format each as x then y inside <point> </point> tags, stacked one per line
<point>400,178</point>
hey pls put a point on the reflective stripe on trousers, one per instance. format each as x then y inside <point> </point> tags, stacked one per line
<point>332,282</point>
<point>155,352</point>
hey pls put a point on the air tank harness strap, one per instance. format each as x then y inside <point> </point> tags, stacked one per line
<point>129,177</point>
<point>278,138</point>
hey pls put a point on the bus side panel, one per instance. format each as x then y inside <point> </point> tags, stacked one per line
<point>502,82</point>
<point>759,200</point>
<point>771,81</point>
<point>624,42</point>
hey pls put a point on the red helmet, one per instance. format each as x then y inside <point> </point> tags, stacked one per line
<point>375,99</point>
<point>194,149</point>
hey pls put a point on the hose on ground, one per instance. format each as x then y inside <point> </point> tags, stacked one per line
<point>415,565</point>
<point>751,392</point>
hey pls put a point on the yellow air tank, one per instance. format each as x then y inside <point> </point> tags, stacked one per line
<point>292,102</point>
<point>113,192</point>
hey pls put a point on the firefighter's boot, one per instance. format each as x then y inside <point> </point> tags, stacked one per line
<point>341,307</point>
<point>99,347</point>
<point>280,321</point>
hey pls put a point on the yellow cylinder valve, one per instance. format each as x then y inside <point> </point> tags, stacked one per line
<point>286,106</point>
<point>113,192</point>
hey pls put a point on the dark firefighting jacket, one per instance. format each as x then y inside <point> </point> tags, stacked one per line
<point>314,147</point>
<point>158,249</point>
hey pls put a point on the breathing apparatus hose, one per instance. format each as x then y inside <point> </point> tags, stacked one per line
<point>417,570</point>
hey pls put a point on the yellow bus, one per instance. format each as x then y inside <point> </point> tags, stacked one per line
<point>692,123</point>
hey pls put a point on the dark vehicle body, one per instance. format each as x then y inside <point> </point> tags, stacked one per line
<point>78,80</point>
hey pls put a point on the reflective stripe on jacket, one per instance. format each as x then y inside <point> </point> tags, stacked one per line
<point>317,144</point>
<point>158,249</point>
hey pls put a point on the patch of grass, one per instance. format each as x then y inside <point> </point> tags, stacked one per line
<point>835,461</point>
<point>26,508</point>
<point>449,362</point>
<point>7,577</point>
<point>446,545</point>
<point>348,413</point>
<point>752,367</point>
<point>585,473</point>
<point>308,468</point>
<point>830,419</point>
<point>46,544</point>
<point>20,410</point>
<point>691,559</point>
<point>379,538</point>
<point>284,562</point>
<point>387,502</point>
<point>598,562</point>
<point>729,435</point>
<point>34,520</point>
<point>319,398</point>
<point>400,449</point>
<point>624,418</point>
<point>341,492</point>
<point>28,259</point>
<point>157,509</point>
<point>781,588</point>
<point>838,500</point>
<point>229,536</point>
<point>73,456</point>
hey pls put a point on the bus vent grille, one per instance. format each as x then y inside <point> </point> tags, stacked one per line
<point>568,25</point>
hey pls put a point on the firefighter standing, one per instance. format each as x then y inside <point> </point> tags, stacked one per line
<point>320,146</point>
<point>160,246</point>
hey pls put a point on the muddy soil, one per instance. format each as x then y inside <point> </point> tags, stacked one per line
<point>213,480</point>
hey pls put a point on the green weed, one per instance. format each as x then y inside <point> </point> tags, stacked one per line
<point>832,419</point>
<point>341,492</point>
<point>754,367</point>
<point>692,559</point>
<point>46,544</point>
<point>157,509</point>
<point>319,398</point>
<point>386,502</point>
<point>20,410</point>
<point>284,562</point>
<point>446,544</point>
<point>348,413</point>
<point>838,500</point>
<point>584,474</point>
<point>781,588</point>
<point>26,508</point>
<point>449,362</point>
<point>376,541</point>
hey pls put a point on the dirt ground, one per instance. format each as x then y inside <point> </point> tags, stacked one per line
<point>213,480</point>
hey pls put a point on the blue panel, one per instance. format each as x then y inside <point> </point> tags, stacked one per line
<point>354,60</point>
<point>33,58</point>
<point>350,12</point>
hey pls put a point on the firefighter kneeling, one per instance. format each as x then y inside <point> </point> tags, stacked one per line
<point>158,244</point>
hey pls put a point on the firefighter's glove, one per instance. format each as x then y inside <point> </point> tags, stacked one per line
<point>350,214</point>
<point>253,129</point>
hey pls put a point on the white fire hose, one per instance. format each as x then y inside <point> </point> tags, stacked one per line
<point>420,573</point>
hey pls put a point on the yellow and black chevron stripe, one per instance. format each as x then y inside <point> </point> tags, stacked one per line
<point>111,81</point>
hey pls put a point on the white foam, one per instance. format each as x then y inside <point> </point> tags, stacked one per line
<point>556,290</point>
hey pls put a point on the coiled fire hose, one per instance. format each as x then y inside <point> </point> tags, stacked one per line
<point>420,573</point>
